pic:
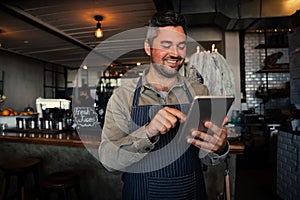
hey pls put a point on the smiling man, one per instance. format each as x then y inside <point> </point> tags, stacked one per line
<point>143,120</point>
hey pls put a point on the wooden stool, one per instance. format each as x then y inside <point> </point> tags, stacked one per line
<point>61,183</point>
<point>20,169</point>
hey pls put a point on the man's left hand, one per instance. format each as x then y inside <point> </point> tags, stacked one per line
<point>212,143</point>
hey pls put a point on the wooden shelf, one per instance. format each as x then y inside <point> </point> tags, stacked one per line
<point>111,77</point>
<point>274,70</point>
<point>263,46</point>
<point>274,93</point>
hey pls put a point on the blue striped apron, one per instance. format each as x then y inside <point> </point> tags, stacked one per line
<point>180,180</point>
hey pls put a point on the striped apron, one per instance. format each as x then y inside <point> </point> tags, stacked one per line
<point>181,179</point>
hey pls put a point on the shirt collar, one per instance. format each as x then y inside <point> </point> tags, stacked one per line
<point>147,85</point>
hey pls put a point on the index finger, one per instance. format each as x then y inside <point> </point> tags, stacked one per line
<point>177,113</point>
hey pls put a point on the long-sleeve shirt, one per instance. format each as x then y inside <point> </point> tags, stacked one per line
<point>119,147</point>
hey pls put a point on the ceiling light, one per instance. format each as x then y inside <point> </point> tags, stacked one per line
<point>98,32</point>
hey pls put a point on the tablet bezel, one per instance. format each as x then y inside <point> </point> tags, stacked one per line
<point>214,108</point>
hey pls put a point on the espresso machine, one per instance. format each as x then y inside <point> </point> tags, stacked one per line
<point>54,114</point>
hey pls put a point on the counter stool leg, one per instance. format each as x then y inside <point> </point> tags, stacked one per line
<point>45,194</point>
<point>5,184</point>
<point>36,184</point>
<point>21,187</point>
<point>65,194</point>
<point>77,190</point>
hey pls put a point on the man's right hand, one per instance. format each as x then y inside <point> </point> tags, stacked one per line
<point>165,119</point>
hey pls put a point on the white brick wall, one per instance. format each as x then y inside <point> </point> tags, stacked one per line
<point>288,166</point>
<point>254,60</point>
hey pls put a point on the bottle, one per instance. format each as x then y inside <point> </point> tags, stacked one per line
<point>60,125</point>
<point>40,123</point>
<point>32,124</point>
<point>24,123</point>
<point>20,122</point>
<point>46,124</point>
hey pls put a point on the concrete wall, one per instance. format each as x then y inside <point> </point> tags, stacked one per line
<point>95,182</point>
<point>23,80</point>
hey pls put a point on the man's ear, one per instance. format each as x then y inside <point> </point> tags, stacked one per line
<point>147,47</point>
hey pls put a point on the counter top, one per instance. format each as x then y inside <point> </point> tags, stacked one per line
<point>72,139</point>
<point>236,147</point>
<point>50,138</point>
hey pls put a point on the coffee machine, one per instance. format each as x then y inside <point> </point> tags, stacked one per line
<point>53,113</point>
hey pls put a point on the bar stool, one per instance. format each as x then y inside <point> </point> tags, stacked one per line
<point>61,183</point>
<point>20,169</point>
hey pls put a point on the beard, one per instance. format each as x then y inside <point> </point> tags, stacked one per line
<point>167,71</point>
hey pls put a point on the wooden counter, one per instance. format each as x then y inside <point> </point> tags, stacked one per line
<point>65,151</point>
<point>51,138</point>
<point>236,147</point>
<point>90,140</point>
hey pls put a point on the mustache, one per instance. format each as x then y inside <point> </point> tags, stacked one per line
<point>177,58</point>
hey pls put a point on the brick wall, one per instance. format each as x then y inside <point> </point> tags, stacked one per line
<point>288,165</point>
<point>254,60</point>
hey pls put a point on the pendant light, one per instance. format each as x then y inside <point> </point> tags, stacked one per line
<point>99,31</point>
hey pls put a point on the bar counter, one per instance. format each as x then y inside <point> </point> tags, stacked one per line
<point>61,138</point>
<point>70,151</point>
<point>72,138</point>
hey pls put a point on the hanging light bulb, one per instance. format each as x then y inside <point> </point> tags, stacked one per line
<point>99,31</point>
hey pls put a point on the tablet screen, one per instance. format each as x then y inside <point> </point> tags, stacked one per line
<point>205,108</point>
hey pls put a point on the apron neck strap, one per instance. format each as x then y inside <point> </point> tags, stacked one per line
<point>138,90</point>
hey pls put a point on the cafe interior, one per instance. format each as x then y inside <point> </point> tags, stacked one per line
<point>51,50</point>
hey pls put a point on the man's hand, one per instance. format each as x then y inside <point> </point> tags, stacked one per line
<point>211,143</point>
<point>165,119</point>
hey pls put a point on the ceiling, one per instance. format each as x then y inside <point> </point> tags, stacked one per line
<point>62,31</point>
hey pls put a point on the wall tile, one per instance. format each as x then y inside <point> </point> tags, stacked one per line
<point>254,59</point>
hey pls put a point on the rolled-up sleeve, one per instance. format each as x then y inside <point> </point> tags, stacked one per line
<point>118,148</point>
<point>214,159</point>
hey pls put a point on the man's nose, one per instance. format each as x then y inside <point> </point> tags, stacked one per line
<point>174,51</point>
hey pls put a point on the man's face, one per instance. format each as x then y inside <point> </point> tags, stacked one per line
<point>168,50</point>
<point>83,93</point>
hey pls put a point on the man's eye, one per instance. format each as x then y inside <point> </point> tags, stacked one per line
<point>166,46</point>
<point>181,46</point>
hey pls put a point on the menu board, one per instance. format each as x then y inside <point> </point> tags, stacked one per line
<point>85,117</point>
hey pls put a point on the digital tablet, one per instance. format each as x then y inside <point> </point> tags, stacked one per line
<point>205,108</point>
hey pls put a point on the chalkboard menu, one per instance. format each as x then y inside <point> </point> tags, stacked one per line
<point>85,117</point>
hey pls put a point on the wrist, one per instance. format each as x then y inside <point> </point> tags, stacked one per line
<point>223,149</point>
<point>149,133</point>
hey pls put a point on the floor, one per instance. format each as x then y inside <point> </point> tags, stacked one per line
<point>256,169</point>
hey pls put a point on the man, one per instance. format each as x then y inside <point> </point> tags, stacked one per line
<point>143,118</point>
<point>84,99</point>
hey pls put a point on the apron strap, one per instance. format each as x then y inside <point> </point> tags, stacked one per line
<point>138,90</point>
<point>188,93</point>
<point>137,93</point>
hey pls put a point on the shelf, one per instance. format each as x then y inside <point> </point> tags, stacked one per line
<point>273,93</point>
<point>111,77</point>
<point>274,70</point>
<point>269,46</point>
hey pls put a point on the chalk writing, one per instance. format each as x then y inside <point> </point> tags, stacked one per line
<point>85,117</point>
